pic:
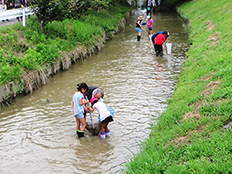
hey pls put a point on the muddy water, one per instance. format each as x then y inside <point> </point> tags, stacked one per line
<point>37,133</point>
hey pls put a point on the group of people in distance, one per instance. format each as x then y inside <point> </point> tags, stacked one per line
<point>157,39</point>
<point>93,95</point>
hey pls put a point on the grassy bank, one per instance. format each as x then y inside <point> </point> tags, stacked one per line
<point>194,134</point>
<point>28,49</point>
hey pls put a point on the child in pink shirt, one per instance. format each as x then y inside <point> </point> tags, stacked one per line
<point>149,25</point>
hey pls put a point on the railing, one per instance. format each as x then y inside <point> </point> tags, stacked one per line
<point>14,13</point>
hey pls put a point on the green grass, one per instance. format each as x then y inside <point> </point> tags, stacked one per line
<point>190,136</point>
<point>28,48</point>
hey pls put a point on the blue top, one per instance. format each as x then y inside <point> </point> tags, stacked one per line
<point>154,35</point>
<point>76,99</point>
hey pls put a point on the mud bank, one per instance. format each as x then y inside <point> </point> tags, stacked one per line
<point>32,81</point>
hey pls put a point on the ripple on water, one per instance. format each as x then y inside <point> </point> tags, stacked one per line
<point>38,132</point>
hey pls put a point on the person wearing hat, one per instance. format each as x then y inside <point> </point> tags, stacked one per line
<point>149,25</point>
<point>139,27</point>
<point>153,2</point>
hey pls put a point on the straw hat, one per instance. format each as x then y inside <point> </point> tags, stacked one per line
<point>140,17</point>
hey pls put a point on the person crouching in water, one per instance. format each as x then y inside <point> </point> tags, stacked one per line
<point>139,27</point>
<point>105,116</point>
<point>159,40</point>
<point>78,108</point>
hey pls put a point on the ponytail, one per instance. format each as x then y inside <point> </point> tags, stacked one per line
<point>82,85</point>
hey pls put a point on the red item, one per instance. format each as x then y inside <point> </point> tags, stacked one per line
<point>160,38</point>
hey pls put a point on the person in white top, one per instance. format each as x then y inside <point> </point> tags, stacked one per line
<point>105,115</point>
<point>153,6</point>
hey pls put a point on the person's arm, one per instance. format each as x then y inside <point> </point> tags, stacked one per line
<point>138,22</point>
<point>164,38</point>
<point>3,4</point>
<point>72,105</point>
<point>91,109</point>
<point>83,101</point>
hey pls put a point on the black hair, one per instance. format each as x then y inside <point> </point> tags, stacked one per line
<point>165,32</point>
<point>82,85</point>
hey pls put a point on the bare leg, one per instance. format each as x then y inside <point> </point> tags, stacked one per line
<point>78,123</point>
<point>83,122</point>
<point>103,127</point>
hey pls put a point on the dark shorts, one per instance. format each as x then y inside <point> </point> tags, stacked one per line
<point>158,48</point>
<point>108,119</point>
<point>150,29</point>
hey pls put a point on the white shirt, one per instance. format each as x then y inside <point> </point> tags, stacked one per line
<point>102,110</point>
<point>149,3</point>
<point>153,3</point>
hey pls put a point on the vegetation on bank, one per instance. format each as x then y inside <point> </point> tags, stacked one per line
<point>25,49</point>
<point>194,134</point>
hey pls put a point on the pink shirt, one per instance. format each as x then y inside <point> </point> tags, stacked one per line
<point>151,23</point>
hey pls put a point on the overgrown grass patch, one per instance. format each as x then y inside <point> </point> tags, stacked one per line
<point>29,48</point>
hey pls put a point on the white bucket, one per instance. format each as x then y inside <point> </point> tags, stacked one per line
<point>169,47</point>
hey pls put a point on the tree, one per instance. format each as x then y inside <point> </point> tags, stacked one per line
<point>50,10</point>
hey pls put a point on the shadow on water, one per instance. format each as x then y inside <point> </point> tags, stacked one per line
<point>38,131</point>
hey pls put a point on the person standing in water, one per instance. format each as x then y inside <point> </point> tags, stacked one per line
<point>149,25</point>
<point>139,27</point>
<point>78,108</point>
<point>158,40</point>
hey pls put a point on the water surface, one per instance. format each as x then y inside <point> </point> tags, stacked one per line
<point>37,133</point>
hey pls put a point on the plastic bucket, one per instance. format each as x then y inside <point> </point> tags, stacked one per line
<point>169,48</point>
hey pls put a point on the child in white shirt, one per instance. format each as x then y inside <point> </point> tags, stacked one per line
<point>105,115</point>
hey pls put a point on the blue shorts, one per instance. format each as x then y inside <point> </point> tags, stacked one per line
<point>138,30</point>
<point>80,115</point>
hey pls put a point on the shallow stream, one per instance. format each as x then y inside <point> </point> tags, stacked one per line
<point>37,133</point>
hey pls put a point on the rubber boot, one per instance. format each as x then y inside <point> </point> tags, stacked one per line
<point>156,54</point>
<point>161,54</point>
<point>102,135</point>
<point>80,133</point>
<point>108,133</point>
<point>138,38</point>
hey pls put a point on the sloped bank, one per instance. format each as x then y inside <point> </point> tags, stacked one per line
<point>33,80</point>
<point>194,133</point>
